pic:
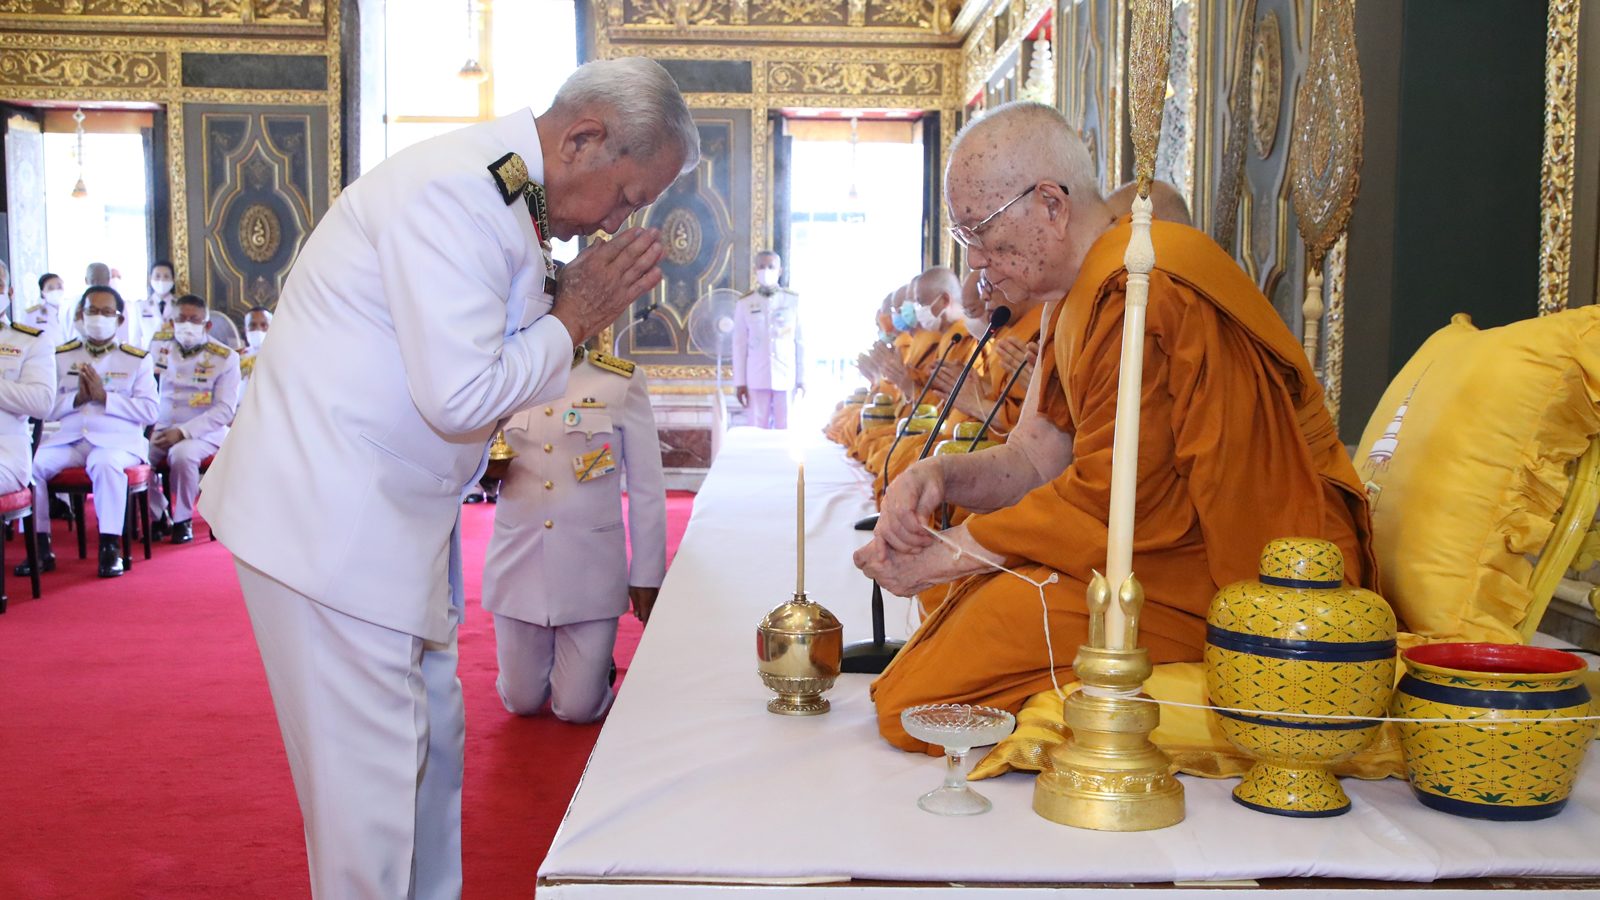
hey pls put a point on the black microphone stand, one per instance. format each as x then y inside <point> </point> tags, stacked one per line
<point>872,657</point>
<point>869,522</point>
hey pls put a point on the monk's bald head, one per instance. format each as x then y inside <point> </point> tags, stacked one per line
<point>936,285</point>
<point>1009,148</point>
<point>1166,203</point>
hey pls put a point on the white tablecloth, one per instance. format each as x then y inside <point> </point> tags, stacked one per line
<point>693,779</point>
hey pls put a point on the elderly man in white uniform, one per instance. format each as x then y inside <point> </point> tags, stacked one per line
<point>199,393</point>
<point>421,312</point>
<point>768,351</point>
<point>557,574</point>
<point>106,395</point>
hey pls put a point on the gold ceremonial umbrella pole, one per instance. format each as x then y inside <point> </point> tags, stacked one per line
<point>1108,776</point>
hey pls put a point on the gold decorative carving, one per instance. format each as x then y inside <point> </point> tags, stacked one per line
<point>798,12</point>
<point>82,68</point>
<point>910,13</point>
<point>980,56</point>
<point>854,78</point>
<point>1325,162</point>
<point>1266,84</point>
<point>1149,42</point>
<point>1333,349</point>
<point>110,14</point>
<point>260,233</point>
<point>686,373</point>
<point>681,13</point>
<point>682,236</point>
<point>1556,180</point>
<point>1230,176</point>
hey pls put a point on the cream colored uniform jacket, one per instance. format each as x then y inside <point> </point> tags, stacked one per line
<point>27,389</point>
<point>768,350</point>
<point>119,423</point>
<point>577,569</point>
<point>412,324</point>
<point>199,392</point>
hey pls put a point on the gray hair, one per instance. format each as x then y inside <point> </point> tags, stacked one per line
<point>648,112</point>
<point>1042,144</point>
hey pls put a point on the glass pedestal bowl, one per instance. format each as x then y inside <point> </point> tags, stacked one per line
<point>957,727</point>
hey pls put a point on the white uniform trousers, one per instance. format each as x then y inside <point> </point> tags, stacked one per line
<point>568,664</point>
<point>183,471</point>
<point>768,406</point>
<point>106,472</point>
<point>373,723</point>
<point>16,463</point>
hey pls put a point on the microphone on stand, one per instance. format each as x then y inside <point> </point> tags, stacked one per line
<point>1000,401</point>
<point>638,319</point>
<point>869,522</point>
<point>997,320</point>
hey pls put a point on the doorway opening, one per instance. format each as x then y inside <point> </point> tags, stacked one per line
<point>856,189</point>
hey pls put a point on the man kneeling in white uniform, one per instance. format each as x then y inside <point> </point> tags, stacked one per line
<point>557,572</point>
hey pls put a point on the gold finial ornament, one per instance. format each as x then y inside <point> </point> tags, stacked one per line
<point>500,457</point>
<point>1108,776</point>
<point>799,648</point>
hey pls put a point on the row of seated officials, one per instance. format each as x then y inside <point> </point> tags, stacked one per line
<point>110,406</point>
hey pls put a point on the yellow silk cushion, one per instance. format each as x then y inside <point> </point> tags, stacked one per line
<point>1191,737</point>
<point>1467,461</point>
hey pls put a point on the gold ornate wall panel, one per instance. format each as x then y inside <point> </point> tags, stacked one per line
<point>1558,178</point>
<point>996,39</point>
<point>181,53</point>
<point>260,186</point>
<point>756,22</point>
<point>1090,61</point>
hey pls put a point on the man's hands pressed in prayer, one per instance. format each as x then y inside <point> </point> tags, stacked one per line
<point>597,286</point>
<point>970,401</point>
<point>1013,353</point>
<point>91,389</point>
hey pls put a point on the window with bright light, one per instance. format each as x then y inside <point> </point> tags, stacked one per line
<point>108,223</point>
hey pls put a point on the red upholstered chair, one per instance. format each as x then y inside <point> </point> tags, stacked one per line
<point>13,506</point>
<point>75,483</point>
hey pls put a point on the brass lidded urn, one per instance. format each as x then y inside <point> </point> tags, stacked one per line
<point>799,646</point>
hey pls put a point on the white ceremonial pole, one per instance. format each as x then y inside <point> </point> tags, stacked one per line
<point>1140,260</point>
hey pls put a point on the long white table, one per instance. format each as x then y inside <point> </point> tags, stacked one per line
<point>695,788</point>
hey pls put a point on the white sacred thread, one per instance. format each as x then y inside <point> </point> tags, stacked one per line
<point>1044,608</point>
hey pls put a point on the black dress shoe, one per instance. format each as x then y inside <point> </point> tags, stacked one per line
<point>611,680</point>
<point>110,555</point>
<point>47,559</point>
<point>161,529</point>
<point>182,532</point>
<point>474,497</point>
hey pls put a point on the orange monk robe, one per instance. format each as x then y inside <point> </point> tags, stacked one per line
<point>875,455</point>
<point>921,346</point>
<point>991,374</point>
<point>1236,448</point>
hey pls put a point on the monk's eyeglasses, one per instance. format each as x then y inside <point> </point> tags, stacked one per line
<point>967,235</point>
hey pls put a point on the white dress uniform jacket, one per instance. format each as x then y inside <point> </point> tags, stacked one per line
<point>149,316</point>
<point>47,319</point>
<point>199,391</point>
<point>412,324</point>
<point>768,350</point>
<point>558,554</point>
<point>27,390</point>
<point>131,404</point>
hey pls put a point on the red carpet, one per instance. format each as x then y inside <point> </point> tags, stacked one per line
<point>139,755</point>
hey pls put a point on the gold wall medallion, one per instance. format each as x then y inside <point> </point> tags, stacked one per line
<point>682,235</point>
<point>1266,84</point>
<point>259,232</point>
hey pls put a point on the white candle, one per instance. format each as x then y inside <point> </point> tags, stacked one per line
<point>800,531</point>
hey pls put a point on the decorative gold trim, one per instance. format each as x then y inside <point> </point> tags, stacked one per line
<point>1333,344</point>
<point>700,390</point>
<point>1230,179</point>
<point>980,59</point>
<point>687,373</point>
<point>1558,170</point>
<point>1148,49</point>
<point>1266,84</point>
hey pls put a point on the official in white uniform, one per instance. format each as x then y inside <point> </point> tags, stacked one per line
<point>417,317</point>
<point>158,309</point>
<point>557,574</point>
<point>27,390</point>
<point>768,350</point>
<point>257,322</point>
<point>199,393</point>
<point>106,395</point>
<point>47,315</point>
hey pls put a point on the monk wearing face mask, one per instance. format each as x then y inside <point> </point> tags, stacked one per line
<point>1237,446</point>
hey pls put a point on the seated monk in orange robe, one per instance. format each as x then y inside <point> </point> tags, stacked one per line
<point>936,299</point>
<point>1236,445</point>
<point>845,421</point>
<point>908,374</point>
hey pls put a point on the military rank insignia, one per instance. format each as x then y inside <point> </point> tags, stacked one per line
<point>200,398</point>
<point>512,179</point>
<point>589,403</point>
<point>611,364</point>
<point>593,464</point>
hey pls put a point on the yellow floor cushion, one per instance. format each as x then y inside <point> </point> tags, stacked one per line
<point>1468,459</point>
<point>1190,736</point>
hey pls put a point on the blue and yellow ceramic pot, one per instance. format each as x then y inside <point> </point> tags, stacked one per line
<point>878,413</point>
<point>1300,642</point>
<point>961,440</point>
<point>1505,760</point>
<point>921,420</point>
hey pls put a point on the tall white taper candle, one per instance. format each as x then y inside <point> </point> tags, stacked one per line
<point>800,532</point>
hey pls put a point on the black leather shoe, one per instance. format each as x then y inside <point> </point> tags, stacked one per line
<point>182,532</point>
<point>110,555</point>
<point>161,529</point>
<point>47,560</point>
<point>611,681</point>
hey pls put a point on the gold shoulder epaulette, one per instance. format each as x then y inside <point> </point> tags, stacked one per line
<point>27,329</point>
<point>73,344</point>
<point>218,349</point>
<point>165,335</point>
<point>611,363</point>
<point>131,350</point>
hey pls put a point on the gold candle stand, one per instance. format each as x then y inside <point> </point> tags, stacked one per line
<point>1108,776</point>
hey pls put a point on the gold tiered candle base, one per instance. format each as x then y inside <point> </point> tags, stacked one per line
<point>1108,776</point>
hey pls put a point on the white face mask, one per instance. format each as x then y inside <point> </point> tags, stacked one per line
<point>52,297</point>
<point>188,334</point>
<point>99,328</point>
<point>255,339</point>
<point>767,278</point>
<point>161,286</point>
<point>976,327</point>
<point>926,318</point>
